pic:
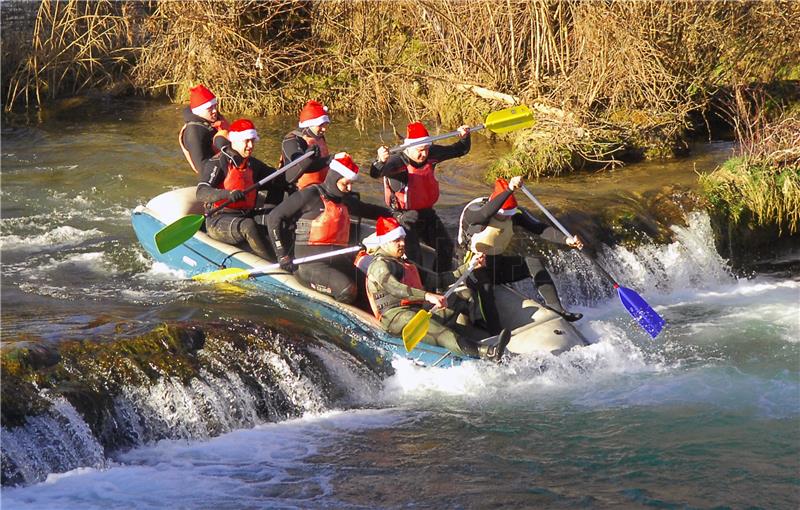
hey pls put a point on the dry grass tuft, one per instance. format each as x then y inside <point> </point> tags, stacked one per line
<point>76,45</point>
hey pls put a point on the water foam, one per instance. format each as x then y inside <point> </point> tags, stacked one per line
<point>60,237</point>
<point>266,466</point>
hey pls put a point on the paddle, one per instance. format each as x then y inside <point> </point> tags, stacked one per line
<point>181,230</point>
<point>417,327</point>
<point>647,318</point>
<point>502,121</point>
<point>236,273</point>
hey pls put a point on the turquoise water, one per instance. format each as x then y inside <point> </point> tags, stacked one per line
<point>705,416</point>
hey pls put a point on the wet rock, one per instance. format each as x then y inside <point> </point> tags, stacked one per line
<point>181,380</point>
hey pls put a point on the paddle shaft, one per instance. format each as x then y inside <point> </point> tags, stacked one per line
<point>565,232</point>
<point>429,139</point>
<point>263,181</point>
<point>458,282</point>
<point>258,271</point>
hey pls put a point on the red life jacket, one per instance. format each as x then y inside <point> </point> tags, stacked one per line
<point>385,301</point>
<point>239,178</point>
<point>219,127</point>
<point>330,228</point>
<point>420,192</point>
<point>309,178</point>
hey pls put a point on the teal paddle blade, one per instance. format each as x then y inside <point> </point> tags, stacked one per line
<point>178,232</point>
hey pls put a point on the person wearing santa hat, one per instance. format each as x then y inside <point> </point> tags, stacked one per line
<point>309,136</point>
<point>487,227</point>
<point>320,217</point>
<point>410,185</point>
<point>395,293</point>
<point>202,120</point>
<point>225,177</point>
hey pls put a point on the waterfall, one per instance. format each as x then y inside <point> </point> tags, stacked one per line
<point>690,261</point>
<point>239,384</point>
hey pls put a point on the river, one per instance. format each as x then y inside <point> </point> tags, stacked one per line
<point>707,415</point>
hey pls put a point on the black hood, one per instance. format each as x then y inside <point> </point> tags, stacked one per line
<point>188,116</point>
<point>329,185</point>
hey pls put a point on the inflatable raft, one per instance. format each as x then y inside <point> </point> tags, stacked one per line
<point>534,329</point>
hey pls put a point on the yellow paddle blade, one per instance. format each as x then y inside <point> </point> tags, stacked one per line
<point>416,329</point>
<point>223,275</point>
<point>503,121</point>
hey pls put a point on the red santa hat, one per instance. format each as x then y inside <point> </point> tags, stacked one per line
<point>343,164</point>
<point>241,130</point>
<point>200,99</point>
<point>414,132</point>
<point>387,230</point>
<point>313,114</point>
<point>509,207</point>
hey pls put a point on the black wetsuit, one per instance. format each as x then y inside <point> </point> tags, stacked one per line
<point>336,276</point>
<point>292,147</point>
<point>198,137</point>
<point>235,225</point>
<point>504,268</point>
<point>427,227</point>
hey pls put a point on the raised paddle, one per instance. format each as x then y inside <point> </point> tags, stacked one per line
<point>181,230</point>
<point>417,327</point>
<point>502,121</point>
<point>237,273</point>
<point>647,318</point>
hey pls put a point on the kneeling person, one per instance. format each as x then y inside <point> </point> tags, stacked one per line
<point>320,216</point>
<point>395,293</point>
<point>487,227</point>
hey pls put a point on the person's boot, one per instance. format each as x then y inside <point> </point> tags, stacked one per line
<point>552,302</point>
<point>571,316</point>
<point>493,348</point>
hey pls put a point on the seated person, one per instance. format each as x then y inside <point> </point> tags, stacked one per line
<point>396,295</point>
<point>225,177</point>
<point>320,217</point>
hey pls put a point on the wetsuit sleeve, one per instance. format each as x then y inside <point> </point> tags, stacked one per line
<point>211,176</point>
<point>380,272</point>
<point>526,221</point>
<point>197,141</point>
<point>482,215</point>
<point>284,214</point>
<point>393,166</point>
<point>292,148</point>
<point>456,150</point>
<point>364,209</point>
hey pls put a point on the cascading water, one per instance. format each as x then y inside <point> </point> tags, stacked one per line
<point>234,388</point>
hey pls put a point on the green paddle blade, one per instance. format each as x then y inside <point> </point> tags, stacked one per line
<point>503,121</point>
<point>223,275</point>
<point>416,329</point>
<point>178,232</point>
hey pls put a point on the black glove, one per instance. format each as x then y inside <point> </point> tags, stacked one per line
<point>286,264</point>
<point>314,149</point>
<point>235,195</point>
<point>406,218</point>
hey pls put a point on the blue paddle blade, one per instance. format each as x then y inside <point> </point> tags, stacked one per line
<point>647,318</point>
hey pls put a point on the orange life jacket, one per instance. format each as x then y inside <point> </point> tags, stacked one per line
<point>220,125</point>
<point>309,178</point>
<point>383,301</point>
<point>330,228</point>
<point>240,178</point>
<point>420,192</point>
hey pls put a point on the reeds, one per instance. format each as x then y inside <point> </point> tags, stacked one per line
<point>76,45</point>
<point>635,66</point>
